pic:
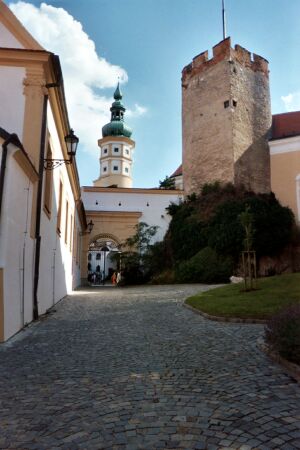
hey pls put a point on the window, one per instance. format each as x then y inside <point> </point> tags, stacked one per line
<point>126,170</point>
<point>89,257</point>
<point>234,103</point>
<point>116,168</point>
<point>67,222</point>
<point>105,151</point>
<point>98,256</point>
<point>48,185</point>
<point>59,207</point>
<point>126,151</point>
<point>116,150</point>
<point>104,169</point>
<point>226,104</point>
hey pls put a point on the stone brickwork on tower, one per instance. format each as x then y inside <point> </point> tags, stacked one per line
<point>226,119</point>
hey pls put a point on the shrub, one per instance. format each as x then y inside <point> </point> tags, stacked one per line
<point>204,267</point>
<point>165,277</point>
<point>282,333</point>
<point>208,188</point>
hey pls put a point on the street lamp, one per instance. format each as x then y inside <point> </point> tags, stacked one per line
<point>89,227</point>
<point>71,141</point>
<point>104,249</point>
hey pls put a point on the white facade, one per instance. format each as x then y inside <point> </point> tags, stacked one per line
<point>116,157</point>
<point>16,245</point>
<point>12,99</point>
<point>25,71</point>
<point>151,203</point>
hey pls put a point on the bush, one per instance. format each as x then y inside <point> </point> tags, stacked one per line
<point>205,267</point>
<point>273,225</point>
<point>165,277</point>
<point>282,333</point>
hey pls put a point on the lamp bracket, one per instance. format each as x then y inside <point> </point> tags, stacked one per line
<point>51,164</point>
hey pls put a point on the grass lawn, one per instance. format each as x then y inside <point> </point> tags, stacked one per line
<point>273,294</point>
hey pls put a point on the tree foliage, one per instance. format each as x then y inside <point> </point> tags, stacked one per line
<point>213,219</point>
<point>167,183</point>
<point>135,257</point>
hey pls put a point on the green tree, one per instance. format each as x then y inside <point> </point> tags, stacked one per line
<point>167,183</point>
<point>135,256</point>
<point>142,238</point>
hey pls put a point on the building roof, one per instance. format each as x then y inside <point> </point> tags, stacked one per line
<point>178,172</point>
<point>286,125</point>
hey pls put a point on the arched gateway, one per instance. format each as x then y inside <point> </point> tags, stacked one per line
<point>103,258</point>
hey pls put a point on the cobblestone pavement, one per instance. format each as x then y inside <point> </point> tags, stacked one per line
<point>132,369</point>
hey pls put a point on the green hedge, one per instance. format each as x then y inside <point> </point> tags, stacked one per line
<point>204,267</point>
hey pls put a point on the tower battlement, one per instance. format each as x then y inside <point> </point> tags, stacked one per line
<point>221,52</point>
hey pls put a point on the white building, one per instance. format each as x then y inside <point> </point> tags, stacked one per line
<point>42,216</point>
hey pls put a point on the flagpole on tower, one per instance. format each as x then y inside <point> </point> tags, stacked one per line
<point>224,19</point>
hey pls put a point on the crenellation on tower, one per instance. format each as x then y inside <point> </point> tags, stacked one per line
<point>224,51</point>
<point>226,119</point>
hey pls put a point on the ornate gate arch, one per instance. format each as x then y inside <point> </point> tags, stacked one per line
<point>101,257</point>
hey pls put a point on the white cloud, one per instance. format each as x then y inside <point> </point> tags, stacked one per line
<point>137,111</point>
<point>84,71</point>
<point>291,101</point>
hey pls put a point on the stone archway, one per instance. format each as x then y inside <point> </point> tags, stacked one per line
<point>103,252</point>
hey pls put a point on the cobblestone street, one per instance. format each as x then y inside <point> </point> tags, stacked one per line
<point>132,369</point>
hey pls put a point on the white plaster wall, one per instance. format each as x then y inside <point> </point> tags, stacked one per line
<point>76,264</point>
<point>7,39</point>
<point>14,238</point>
<point>12,99</point>
<point>56,264</point>
<point>154,214</point>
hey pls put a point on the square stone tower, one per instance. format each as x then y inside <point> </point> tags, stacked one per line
<point>226,119</point>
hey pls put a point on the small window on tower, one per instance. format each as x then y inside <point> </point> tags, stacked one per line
<point>116,149</point>
<point>234,103</point>
<point>127,151</point>
<point>226,104</point>
<point>116,168</point>
<point>126,170</point>
<point>105,151</point>
<point>104,169</point>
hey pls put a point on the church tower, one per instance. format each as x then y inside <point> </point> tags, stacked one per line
<point>226,119</point>
<point>116,148</point>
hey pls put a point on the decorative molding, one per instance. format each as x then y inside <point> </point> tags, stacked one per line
<point>15,27</point>
<point>113,214</point>
<point>175,192</point>
<point>105,237</point>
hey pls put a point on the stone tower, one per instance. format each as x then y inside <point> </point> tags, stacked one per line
<point>116,148</point>
<point>226,119</point>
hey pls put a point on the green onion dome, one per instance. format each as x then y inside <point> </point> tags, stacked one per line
<point>116,126</point>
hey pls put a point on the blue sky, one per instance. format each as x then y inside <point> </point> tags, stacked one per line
<point>149,42</point>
